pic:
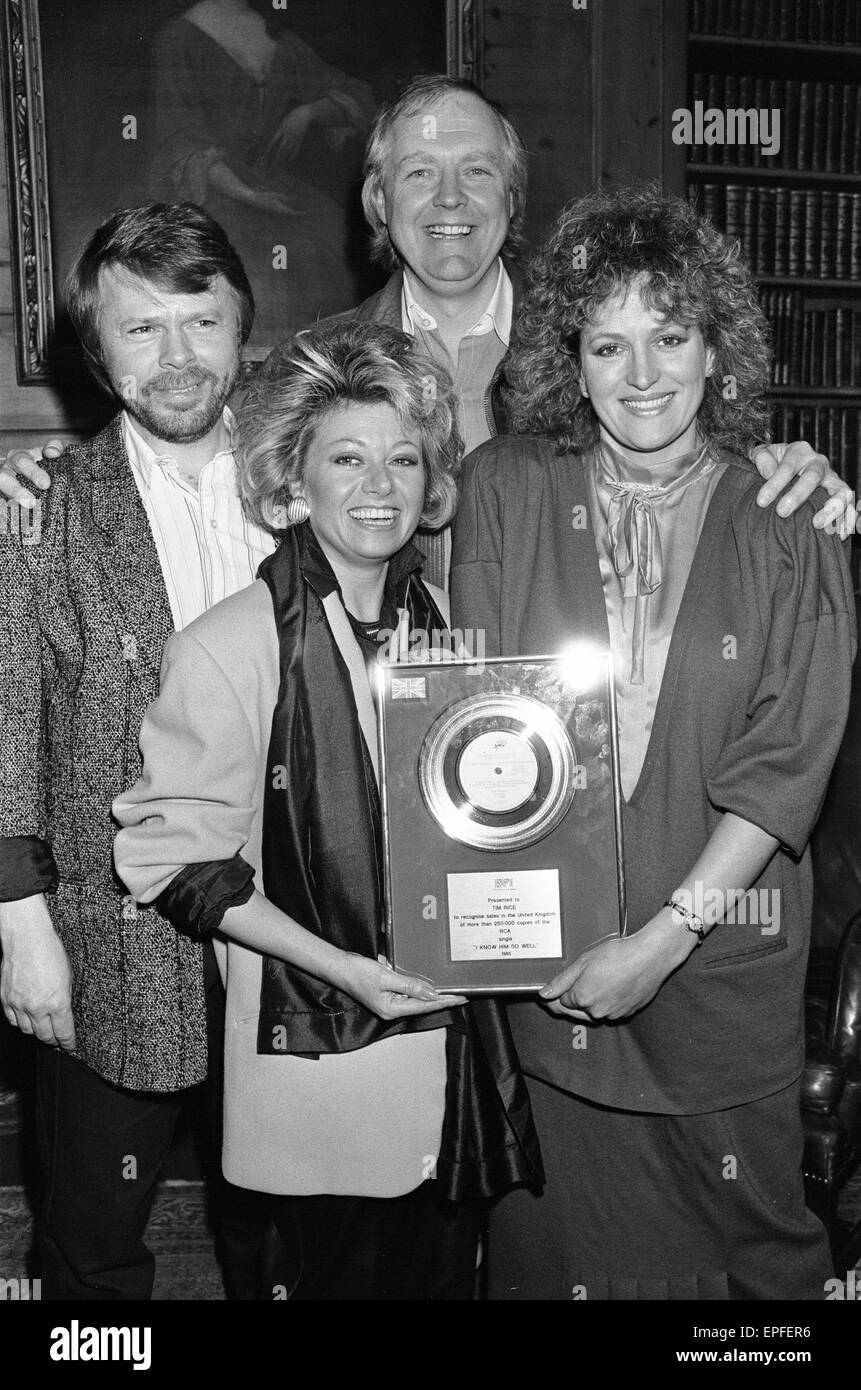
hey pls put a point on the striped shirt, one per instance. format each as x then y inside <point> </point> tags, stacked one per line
<point>479,354</point>
<point>207,547</point>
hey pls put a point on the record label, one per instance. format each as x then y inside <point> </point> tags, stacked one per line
<point>498,771</point>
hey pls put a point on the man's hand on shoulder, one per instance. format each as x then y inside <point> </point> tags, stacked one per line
<point>23,466</point>
<point>35,974</point>
<point>797,463</point>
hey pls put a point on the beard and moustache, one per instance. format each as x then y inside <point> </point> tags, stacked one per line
<point>179,421</point>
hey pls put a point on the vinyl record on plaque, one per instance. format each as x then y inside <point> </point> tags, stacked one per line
<point>497,771</point>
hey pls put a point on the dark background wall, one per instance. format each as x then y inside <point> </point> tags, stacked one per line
<point>590,89</point>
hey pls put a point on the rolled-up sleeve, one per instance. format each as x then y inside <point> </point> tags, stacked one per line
<point>776,772</point>
<point>27,867</point>
<point>188,817</point>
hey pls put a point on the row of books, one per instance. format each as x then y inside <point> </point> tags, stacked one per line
<point>819,122</point>
<point>833,430</point>
<point>814,232</point>
<point>793,21</point>
<point>815,343</point>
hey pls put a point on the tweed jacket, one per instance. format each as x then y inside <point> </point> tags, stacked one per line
<point>87,619</point>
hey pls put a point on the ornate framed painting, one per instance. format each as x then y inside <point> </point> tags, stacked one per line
<point>256,109</point>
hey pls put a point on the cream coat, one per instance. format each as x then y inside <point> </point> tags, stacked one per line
<point>367,1122</point>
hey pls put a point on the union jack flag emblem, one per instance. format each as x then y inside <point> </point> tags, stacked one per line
<point>409,687</point>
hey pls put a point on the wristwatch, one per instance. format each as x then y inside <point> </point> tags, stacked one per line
<point>690,921</point>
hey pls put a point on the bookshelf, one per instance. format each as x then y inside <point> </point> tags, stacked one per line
<point>794,204</point>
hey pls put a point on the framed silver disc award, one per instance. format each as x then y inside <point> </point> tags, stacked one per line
<point>501,817</point>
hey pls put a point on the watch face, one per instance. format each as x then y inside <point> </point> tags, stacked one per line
<point>497,771</point>
<point>689,920</point>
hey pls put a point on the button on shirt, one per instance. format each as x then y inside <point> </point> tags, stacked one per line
<point>479,354</point>
<point>207,547</point>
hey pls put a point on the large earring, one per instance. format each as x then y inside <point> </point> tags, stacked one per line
<point>297,510</point>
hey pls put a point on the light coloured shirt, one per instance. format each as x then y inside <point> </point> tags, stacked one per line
<point>496,317</point>
<point>207,547</point>
<point>479,354</point>
<point>642,616</point>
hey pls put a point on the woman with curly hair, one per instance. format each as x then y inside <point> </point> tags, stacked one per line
<point>664,1064</point>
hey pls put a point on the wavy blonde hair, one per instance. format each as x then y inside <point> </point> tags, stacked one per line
<point>350,363</point>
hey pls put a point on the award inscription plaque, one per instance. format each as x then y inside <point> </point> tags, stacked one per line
<point>501,817</point>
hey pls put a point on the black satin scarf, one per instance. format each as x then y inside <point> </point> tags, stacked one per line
<point>322,847</point>
<point>322,841</point>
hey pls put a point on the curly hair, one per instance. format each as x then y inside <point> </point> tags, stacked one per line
<point>685,268</point>
<point>319,370</point>
<point>423,92</point>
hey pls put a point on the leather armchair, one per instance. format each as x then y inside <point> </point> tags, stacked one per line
<point>831,1086</point>
<point>831,1092</point>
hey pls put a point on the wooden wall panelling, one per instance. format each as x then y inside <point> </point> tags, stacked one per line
<point>640,61</point>
<point>538,64</point>
<point>592,91</point>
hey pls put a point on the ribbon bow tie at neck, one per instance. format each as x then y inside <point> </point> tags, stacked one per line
<point>633,528</point>
<point>635,541</point>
